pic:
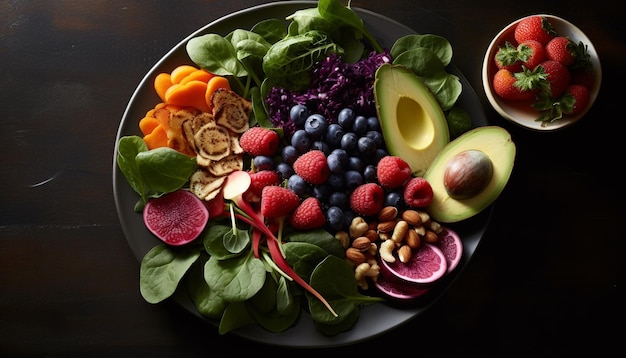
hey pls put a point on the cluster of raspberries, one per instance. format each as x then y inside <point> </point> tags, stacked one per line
<point>307,213</point>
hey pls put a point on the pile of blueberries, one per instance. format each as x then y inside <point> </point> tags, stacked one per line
<point>353,145</point>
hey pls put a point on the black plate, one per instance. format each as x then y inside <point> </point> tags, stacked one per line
<point>375,319</point>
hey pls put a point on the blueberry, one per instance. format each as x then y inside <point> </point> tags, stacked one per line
<point>298,115</point>
<point>334,133</point>
<point>339,199</point>
<point>298,185</point>
<point>263,162</point>
<point>360,125</point>
<point>290,154</point>
<point>334,218</point>
<point>380,153</point>
<point>322,192</point>
<point>285,170</point>
<point>315,125</point>
<point>369,173</point>
<point>345,118</point>
<point>356,163</point>
<point>349,142</point>
<point>377,137</point>
<point>301,141</point>
<point>393,198</point>
<point>342,154</point>
<point>336,181</point>
<point>322,146</point>
<point>334,163</point>
<point>367,146</point>
<point>353,179</point>
<point>348,216</point>
<point>373,124</point>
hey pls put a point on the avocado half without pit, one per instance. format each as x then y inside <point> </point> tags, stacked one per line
<point>412,121</point>
<point>470,173</point>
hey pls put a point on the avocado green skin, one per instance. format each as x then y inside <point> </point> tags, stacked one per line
<point>497,144</point>
<point>412,122</point>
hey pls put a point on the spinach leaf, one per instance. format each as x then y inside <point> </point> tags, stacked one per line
<point>164,169</point>
<point>237,278</point>
<point>127,149</point>
<point>162,268</point>
<point>235,316</point>
<point>215,54</point>
<point>289,61</point>
<point>303,257</point>
<point>335,12</point>
<point>445,86</point>
<point>334,279</point>
<point>272,30</point>
<point>207,302</point>
<point>320,238</point>
<point>439,45</point>
<point>264,307</point>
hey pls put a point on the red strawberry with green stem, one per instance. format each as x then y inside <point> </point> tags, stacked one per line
<point>558,76</point>
<point>531,53</point>
<point>561,49</point>
<point>515,86</point>
<point>507,57</point>
<point>536,28</point>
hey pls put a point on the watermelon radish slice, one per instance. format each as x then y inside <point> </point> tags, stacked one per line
<point>176,218</point>
<point>398,290</point>
<point>452,247</point>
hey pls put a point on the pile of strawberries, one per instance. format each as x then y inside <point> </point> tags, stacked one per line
<point>552,72</point>
<point>276,201</point>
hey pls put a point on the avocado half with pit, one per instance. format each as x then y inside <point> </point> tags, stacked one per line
<point>411,119</point>
<point>470,173</point>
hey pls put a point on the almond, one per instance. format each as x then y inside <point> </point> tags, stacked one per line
<point>388,213</point>
<point>404,253</point>
<point>412,217</point>
<point>361,243</point>
<point>386,226</point>
<point>355,256</point>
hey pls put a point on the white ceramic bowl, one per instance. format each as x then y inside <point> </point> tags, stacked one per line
<point>520,112</point>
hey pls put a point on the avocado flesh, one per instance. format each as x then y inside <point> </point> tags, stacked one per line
<point>496,143</point>
<point>412,122</point>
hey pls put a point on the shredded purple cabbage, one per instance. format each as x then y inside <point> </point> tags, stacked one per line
<point>336,85</point>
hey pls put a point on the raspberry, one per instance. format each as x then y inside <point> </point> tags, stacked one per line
<point>259,141</point>
<point>312,167</point>
<point>308,215</point>
<point>418,193</point>
<point>367,199</point>
<point>277,201</point>
<point>259,180</point>
<point>392,172</point>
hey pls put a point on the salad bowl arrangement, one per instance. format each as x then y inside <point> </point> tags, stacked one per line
<point>208,48</point>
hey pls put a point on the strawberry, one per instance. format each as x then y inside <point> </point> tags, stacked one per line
<point>561,49</point>
<point>531,53</point>
<point>259,141</point>
<point>575,99</point>
<point>277,201</point>
<point>557,75</point>
<point>308,215</point>
<point>418,193</point>
<point>392,172</point>
<point>507,86</point>
<point>536,28</point>
<point>259,180</point>
<point>367,199</point>
<point>312,167</point>
<point>507,57</point>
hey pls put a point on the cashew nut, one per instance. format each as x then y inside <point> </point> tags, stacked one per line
<point>386,250</point>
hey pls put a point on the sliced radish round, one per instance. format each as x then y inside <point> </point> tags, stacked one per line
<point>452,247</point>
<point>176,218</point>
<point>426,265</point>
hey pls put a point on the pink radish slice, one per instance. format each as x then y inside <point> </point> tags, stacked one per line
<point>452,247</point>
<point>398,290</point>
<point>176,218</point>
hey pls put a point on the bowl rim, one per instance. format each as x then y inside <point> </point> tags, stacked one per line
<point>503,108</point>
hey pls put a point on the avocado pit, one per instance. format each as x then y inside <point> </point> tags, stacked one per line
<point>467,174</point>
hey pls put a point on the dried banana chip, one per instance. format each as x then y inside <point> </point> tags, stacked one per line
<point>205,185</point>
<point>227,165</point>
<point>231,110</point>
<point>213,141</point>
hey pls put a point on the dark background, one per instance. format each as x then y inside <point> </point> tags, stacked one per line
<point>547,279</point>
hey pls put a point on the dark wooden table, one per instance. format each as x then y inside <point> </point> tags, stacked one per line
<point>547,279</point>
